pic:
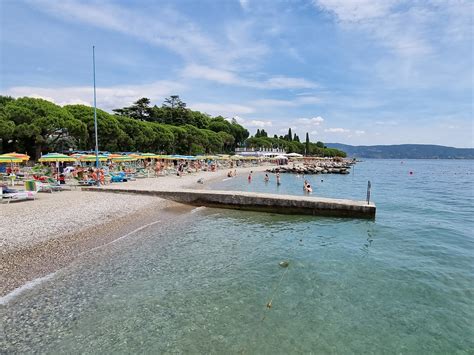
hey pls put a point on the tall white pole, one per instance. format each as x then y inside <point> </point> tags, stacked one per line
<point>95,121</point>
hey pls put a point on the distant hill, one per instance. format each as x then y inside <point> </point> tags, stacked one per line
<point>404,151</point>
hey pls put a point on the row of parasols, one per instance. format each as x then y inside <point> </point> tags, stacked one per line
<point>57,157</point>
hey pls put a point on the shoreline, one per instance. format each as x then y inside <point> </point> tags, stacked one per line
<point>43,236</point>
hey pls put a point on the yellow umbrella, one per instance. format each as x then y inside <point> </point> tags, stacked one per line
<point>54,157</point>
<point>149,156</point>
<point>24,157</point>
<point>9,159</point>
<point>124,158</point>
<point>91,158</point>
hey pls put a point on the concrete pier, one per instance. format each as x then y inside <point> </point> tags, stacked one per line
<point>251,201</point>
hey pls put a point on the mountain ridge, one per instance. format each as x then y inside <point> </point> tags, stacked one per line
<point>404,151</point>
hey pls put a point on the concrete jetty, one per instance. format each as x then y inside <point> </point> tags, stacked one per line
<point>261,202</point>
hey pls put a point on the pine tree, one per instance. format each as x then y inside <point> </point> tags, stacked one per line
<point>296,138</point>
<point>289,134</point>
<point>257,135</point>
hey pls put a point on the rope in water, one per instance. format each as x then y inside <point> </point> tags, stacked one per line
<point>269,303</point>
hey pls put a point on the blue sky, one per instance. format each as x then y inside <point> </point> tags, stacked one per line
<point>356,72</point>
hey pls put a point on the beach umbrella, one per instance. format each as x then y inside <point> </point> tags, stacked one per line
<point>294,155</point>
<point>9,159</point>
<point>168,157</point>
<point>149,156</point>
<point>91,158</point>
<point>55,157</point>
<point>124,158</point>
<point>23,157</point>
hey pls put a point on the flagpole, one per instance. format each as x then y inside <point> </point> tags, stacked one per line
<point>95,121</point>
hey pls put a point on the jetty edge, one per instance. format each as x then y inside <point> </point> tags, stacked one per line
<point>260,202</point>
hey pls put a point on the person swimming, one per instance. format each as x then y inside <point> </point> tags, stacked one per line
<point>307,187</point>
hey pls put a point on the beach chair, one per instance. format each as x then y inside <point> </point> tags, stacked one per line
<point>10,195</point>
<point>38,186</point>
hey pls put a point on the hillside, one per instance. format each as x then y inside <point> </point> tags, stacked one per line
<point>404,151</point>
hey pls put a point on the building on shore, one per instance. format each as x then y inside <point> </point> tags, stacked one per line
<point>260,152</point>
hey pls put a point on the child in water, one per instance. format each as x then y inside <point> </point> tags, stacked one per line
<point>266,178</point>
<point>250,176</point>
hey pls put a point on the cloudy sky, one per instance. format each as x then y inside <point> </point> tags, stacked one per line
<point>349,71</point>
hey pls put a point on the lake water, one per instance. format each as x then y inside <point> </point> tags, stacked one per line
<point>200,282</point>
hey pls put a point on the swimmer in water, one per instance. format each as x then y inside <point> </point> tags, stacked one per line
<point>278,179</point>
<point>250,177</point>
<point>266,178</point>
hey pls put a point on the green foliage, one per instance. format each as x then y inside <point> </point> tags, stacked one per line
<point>36,125</point>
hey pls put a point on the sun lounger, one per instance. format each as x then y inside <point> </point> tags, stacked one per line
<point>8,195</point>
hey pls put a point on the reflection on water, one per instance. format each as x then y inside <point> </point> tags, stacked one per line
<point>202,281</point>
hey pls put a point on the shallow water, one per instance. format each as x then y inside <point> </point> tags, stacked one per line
<point>201,282</point>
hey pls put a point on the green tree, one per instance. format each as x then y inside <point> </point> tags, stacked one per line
<point>175,109</point>
<point>140,110</point>
<point>307,151</point>
<point>111,135</point>
<point>40,124</point>
<point>289,134</point>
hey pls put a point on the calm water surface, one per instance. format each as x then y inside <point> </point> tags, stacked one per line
<point>200,283</point>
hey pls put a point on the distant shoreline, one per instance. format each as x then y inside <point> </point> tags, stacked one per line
<point>405,151</point>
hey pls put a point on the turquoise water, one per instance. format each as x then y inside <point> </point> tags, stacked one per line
<point>199,282</point>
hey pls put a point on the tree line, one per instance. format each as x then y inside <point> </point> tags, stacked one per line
<point>291,144</point>
<point>35,125</point>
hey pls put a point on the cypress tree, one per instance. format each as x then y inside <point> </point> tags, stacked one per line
<point>307,144</point>
<point>289,134</point>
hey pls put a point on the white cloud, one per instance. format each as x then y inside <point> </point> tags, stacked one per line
<point>229,77</point>
<point>162,27</point>
<point>336,130</point>
<point>228,110</point>
<point>283,82</point>
<point>108,98</point>
<point>314,121</point>
<point>356,10</point>
<point>359,132</point>
<point>386,123</point>
<point>244,4</point>
<point>253,123</point>
<point>274,103</point>
<point>195,71</point>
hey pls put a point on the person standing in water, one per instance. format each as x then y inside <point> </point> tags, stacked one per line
<point>266,178</point>
<point>278,179</point>
<point>250,177</point>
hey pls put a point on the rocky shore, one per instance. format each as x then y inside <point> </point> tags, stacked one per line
<point>318,167</point>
